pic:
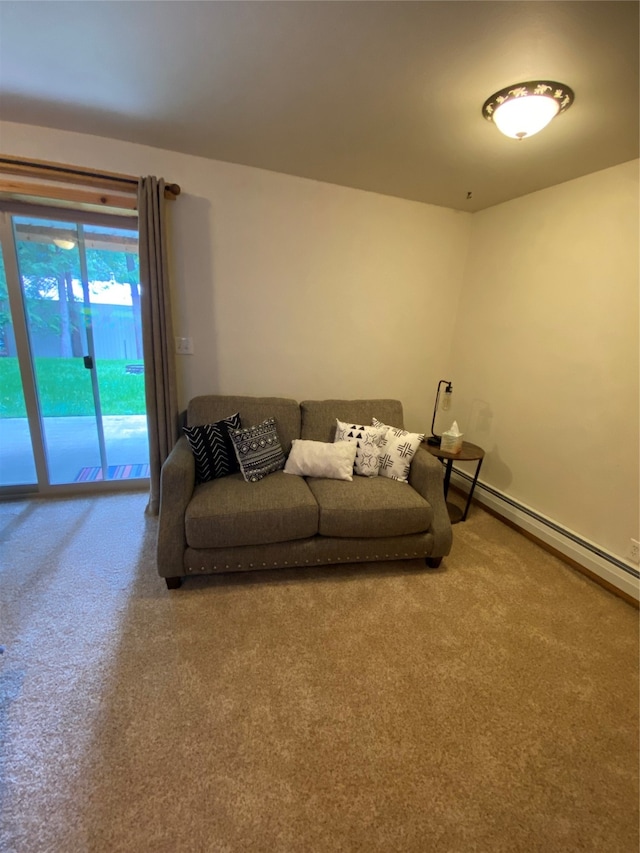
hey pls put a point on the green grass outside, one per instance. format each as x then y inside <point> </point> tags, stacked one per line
<point>65,388</point>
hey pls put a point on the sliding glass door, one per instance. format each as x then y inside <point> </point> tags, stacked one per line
<point>71,371</point>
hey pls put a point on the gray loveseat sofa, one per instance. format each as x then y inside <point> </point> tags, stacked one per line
<point>229,525</point>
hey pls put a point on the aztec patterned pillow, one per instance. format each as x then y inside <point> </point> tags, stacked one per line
<point>397,449</point>
<point>367,440</point>
<point>212,448</point>
<point>258,450</point>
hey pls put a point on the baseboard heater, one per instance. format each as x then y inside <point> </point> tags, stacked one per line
<point>607,566</point>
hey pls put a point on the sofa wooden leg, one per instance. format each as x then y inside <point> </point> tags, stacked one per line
<point>173,583</point>
<point>433,562</point>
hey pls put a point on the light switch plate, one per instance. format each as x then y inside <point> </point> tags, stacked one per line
<point>184,346</point>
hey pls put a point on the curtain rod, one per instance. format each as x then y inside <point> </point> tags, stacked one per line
<point>77,175</point>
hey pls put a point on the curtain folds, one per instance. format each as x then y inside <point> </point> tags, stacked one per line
<point>157,332</point>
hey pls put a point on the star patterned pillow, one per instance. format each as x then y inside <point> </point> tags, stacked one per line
<point>397,449</point>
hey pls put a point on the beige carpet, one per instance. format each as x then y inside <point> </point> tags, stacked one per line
<point>491,705</point>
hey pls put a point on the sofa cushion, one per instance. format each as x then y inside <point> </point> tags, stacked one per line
<point>319,416</point>
<point>369,507</point>
<point>230,512</point>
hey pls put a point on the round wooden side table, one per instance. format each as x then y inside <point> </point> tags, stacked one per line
<point>468,453</point>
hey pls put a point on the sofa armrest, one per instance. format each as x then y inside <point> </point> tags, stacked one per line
<point>177,481</point>
<point>426,476</point>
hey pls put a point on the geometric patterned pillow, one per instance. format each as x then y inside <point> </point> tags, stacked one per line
<point>212,448</point>
<point>367,440</point>
<point>258,450</point>
<point>398,447</point>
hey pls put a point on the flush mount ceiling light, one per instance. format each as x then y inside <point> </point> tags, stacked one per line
<point>64,244</point>
<point>525,108</point>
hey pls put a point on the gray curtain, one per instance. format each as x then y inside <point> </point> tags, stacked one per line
<point>157,332</point>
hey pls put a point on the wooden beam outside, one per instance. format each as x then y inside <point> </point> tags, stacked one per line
<point>92,239</point>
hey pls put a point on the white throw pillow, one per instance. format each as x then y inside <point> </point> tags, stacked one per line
<point>367,440</point>
<point>397,449</point>
<point>321,459</point>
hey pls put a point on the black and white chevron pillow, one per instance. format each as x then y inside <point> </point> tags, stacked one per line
<point>212,448</point>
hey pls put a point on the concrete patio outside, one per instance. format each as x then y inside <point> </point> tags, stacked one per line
<point>72,444</point>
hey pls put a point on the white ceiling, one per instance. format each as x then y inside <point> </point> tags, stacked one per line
<point>382,96</point>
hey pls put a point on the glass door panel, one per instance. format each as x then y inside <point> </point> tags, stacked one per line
<point>49,264</point>
<point>114,304</point>
<point>17,464</point>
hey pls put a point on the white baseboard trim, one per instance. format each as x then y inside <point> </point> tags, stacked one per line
<point>610,568</point>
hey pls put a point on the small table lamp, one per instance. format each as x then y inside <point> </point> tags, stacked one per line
<point>445,405</point>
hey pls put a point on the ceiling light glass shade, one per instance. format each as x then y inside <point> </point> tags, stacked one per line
<point>524,116</point>
<point>525,108</point>
<point>64,244</point>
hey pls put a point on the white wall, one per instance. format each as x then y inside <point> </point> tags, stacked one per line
<point>545,353</point>
<point>294,287</point>
<point>318,291</point>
